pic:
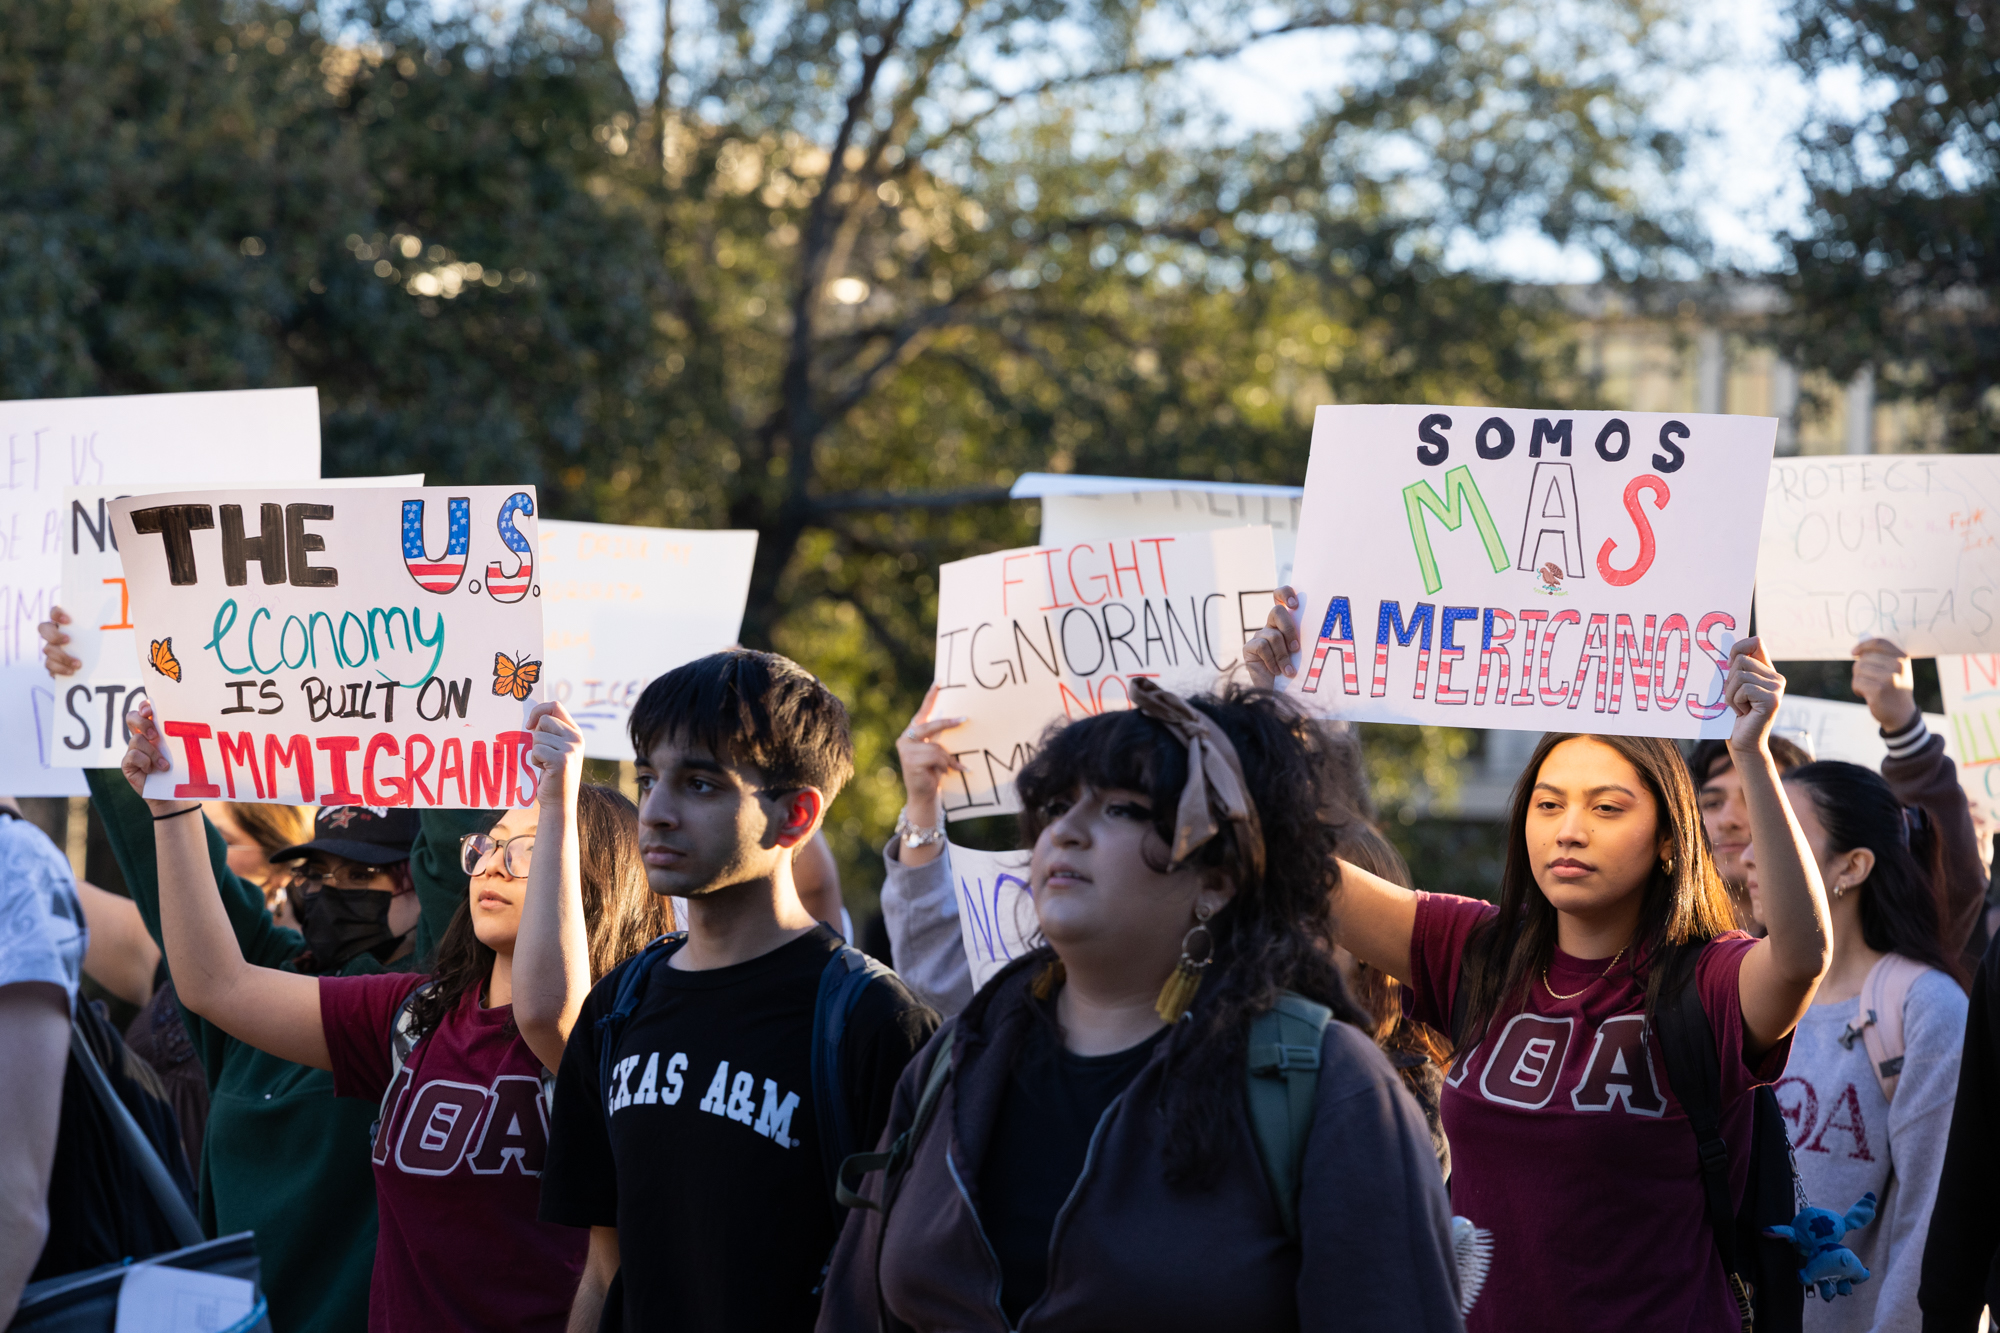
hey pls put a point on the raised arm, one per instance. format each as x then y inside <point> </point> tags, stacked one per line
<point>273,1010</point>
<point>121,956</point>
<point>925,761</point>
<point>1781,973</point>
<point>551,965</point>
<point>1374,920</point>
<point>1921,774</point>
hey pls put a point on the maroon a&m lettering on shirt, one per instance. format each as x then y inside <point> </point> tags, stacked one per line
<point>458,1156</point>
<point>1569,1146</point>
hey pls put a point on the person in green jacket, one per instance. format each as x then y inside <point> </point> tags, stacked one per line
<point>283,1156</point>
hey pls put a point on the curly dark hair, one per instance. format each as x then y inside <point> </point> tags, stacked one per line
<point>1275,934</point>
<point>621,911</point>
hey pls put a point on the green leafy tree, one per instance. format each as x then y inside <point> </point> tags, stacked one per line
<point>898,281</point>
<point>410,213</point>
<point>842,274</point>
<point>1898,266</point>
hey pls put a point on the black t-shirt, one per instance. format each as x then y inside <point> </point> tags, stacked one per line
<point>1051,1107</point>
<point>705,1154</point>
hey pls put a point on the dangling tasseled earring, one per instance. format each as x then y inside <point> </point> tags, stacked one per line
<point>1178,993</point>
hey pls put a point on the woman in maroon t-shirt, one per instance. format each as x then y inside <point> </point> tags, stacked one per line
<point>1567,1143</point>
<point>458,1150</point>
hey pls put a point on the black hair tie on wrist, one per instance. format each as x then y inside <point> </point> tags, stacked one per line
<point>176,814</point>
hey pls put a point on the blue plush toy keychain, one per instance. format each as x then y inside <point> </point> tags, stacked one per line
<point>1815,1233</point>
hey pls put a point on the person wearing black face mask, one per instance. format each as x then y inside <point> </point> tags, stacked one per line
<point>350,887</point>
<point>284,1157</point>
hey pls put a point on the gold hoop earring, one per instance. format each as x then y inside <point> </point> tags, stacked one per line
<point>1178,994</point>
<point>1667,867</point>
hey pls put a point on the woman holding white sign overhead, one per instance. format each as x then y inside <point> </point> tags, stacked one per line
<point>460,1074</point>
<point>1612,1027</point>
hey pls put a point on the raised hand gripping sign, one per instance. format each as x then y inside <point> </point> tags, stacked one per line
<point>1537,571</point>
<point>367,647</point>
<point>1046,633</point>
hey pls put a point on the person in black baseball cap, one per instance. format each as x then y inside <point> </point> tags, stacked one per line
<point>350,886</point>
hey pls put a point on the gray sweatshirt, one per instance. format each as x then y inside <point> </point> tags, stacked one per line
<point>1847,1140</point>
<point>920,909</point>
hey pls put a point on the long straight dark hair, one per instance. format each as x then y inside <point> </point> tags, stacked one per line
<point>620,911</point>
<point>1685,906</point>
<point>1899,899</point>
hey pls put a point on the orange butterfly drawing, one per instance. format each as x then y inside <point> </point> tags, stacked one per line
<point>163,659</point>
<point>515,677</point>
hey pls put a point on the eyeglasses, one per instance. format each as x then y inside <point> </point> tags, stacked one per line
<point>351,875</point>
<point>478,851</point>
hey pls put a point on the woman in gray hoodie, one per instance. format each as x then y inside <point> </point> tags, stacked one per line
<point>1089,1159</point>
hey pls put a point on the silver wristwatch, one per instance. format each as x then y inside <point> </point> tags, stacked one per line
<point>914,837</point>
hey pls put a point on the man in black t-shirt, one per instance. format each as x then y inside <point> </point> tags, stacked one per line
<point>699,1159</point>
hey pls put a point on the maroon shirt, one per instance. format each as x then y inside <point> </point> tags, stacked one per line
<point>458,1165</point>
<point>1568,1145</point>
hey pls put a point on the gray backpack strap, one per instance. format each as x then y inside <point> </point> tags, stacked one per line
<point>1284,1085</point>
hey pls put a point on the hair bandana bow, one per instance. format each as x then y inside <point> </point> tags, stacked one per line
<point>1215,777</point>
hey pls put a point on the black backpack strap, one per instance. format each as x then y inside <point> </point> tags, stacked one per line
<point>848,973</point>
<point>897,1159</point>
<point>892,1164</point>
<point>631,989</point>
<point>1694,1071</point>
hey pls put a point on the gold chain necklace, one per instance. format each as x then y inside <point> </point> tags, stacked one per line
<point>1588,984</point>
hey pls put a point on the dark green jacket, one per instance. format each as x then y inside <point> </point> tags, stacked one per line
<point>283,1156</point>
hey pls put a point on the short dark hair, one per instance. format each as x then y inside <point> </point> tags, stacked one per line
<point>757,709</point>
<point>1707,754</point>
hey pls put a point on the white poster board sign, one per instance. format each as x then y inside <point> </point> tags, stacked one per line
<point>1076,509</point>
<point>1535,571</point>
<point>368,647</point>
<point>1899,548</point>
<point>138,441</point>
<point>1046,633</point>
<point>1835,729</point>
<point>85,717</point>
<point>996,910</point>
<point>622,605</point>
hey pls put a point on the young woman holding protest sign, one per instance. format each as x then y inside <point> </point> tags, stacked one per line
<point>1080,1148</point>
<point>1571,1002</point>
<point>1890,998</point>
<point>460,1077</point>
